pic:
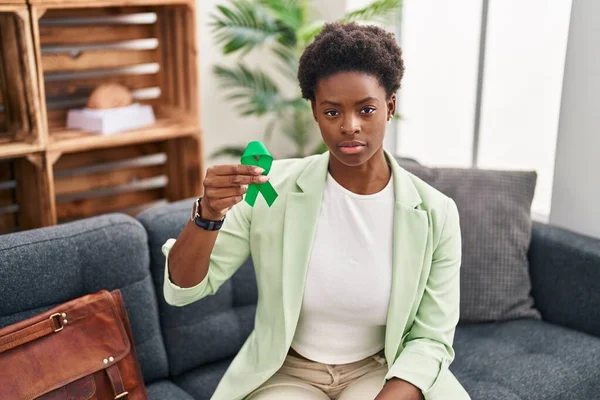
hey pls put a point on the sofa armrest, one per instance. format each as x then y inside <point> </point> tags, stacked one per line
<point>565,277</point>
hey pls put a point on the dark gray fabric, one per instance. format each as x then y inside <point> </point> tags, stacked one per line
<point>526,360</point>
<point>44,267</point>
<point>202,382</point>
<point>166,390</point>
<point>565,273</point>
<point>494,208</point>
<point>208,330</point>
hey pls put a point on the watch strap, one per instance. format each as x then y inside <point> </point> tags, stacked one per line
<point>205,224</point>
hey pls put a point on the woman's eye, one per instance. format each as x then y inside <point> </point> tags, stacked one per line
<point>368,110</point>
<point>331,113</point>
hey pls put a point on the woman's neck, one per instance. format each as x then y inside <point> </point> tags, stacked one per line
<point>368,178</point>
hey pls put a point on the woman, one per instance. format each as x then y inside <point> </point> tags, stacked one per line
<point>357,261</point>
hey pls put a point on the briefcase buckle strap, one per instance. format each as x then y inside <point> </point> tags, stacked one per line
<point>58,322</point>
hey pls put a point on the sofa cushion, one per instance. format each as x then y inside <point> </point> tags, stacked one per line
<point>526,360</point>
<point>166,390</point>
<point>494,208</point>
<point>202,382</point>
<point>210,329</point>
<point>42,268</point>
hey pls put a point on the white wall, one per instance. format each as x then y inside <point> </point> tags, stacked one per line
<point>576,193</point>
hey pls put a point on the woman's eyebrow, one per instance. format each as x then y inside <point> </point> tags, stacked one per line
<point>368,98</point>
<point>333,103</point>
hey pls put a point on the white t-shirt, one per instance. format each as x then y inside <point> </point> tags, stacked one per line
<point>349,278</point>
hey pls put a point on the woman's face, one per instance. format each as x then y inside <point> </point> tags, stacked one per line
<point>352,110</point>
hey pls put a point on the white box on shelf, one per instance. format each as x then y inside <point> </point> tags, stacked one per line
<point>111,120</point>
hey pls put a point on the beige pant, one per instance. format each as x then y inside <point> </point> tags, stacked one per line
<point>300,379</point>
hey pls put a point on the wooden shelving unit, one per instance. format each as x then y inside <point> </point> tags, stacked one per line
<point>67,49</point>
<point>21,130</point>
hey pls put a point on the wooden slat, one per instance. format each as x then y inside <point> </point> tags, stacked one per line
<point>184,154</point>
<point>92,11</point>
<point>71,141</point>
<point>179,71</point>
<point>7,197</point>
<point>191,51</point>
<point>86,4</point>
<point>97,59</point>
<point>11,149</point>
<point>84,183</point>
<point>8,223</point>
<point>84,86</point>
<point>94,157</point>
<point>15,77</point>
<point>166,45</point>
<point>105,204</point>
<point>6,171</point>
<point>64,35</point>
<point>35,191</point>
<point>57,119</point>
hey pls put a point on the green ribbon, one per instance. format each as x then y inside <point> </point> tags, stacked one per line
<point>257,154</point>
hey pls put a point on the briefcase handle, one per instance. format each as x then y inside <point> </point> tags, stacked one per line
<point>54,324</point>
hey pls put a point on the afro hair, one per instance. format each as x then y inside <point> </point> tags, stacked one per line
<point>351,48</point>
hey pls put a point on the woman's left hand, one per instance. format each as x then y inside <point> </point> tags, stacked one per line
<point>397,389</point>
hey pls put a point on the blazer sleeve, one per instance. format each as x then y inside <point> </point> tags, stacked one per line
<point>428,351</point>
<point>232,248</point>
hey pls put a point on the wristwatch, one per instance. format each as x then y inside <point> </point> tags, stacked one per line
<point>205,224</point>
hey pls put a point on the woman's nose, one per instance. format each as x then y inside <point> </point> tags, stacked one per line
<point>351,126</point>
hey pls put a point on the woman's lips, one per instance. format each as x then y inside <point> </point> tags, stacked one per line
<point>352,147</point>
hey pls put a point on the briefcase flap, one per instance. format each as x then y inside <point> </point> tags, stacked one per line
<point>88,336</point>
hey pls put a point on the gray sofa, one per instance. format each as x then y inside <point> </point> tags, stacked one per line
<point>184,351</point>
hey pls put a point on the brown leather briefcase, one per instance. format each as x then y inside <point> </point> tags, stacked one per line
<point>80,350</point>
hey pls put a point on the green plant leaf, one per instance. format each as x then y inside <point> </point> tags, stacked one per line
<point>307,32</point>
<point>242,26</point>
<point>291,14</point>
<point>293,105</point>
<point>379,10</point>
<point>253,91</point>
<point>231,151</point>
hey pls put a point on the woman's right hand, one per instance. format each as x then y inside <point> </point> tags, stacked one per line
<point>224,187</point>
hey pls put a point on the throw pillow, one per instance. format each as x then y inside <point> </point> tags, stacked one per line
<point>495,217</point>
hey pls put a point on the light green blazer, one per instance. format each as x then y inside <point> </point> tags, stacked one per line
<point>424,305</point>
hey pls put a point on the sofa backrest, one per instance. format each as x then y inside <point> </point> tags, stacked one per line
<point>42,268</point>
<point>565,276</point>
<point>211,329</point>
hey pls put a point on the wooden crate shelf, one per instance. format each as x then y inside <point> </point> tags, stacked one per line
<point>150,50</point>
<point>20,121</point>
<point>124,179</point>
<point>50,174</point>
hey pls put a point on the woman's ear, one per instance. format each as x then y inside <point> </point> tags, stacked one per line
<point>391,106</point>
<point>313,107</point>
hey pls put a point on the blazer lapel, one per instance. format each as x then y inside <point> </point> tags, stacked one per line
<point>411,227</point>
<point>300,223</point>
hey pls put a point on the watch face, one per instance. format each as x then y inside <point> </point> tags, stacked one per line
<point>195,210</point>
